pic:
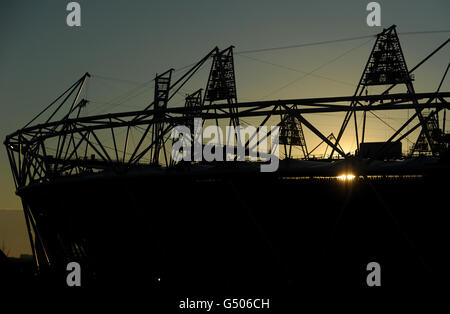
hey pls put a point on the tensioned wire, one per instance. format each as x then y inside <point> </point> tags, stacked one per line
<point>142,88</point>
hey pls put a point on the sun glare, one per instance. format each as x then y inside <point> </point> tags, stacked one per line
<point>346,177</point>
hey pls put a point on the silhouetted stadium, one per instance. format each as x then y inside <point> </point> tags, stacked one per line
<point>104,190</point>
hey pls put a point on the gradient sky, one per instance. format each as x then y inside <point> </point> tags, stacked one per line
<point>40,56</point>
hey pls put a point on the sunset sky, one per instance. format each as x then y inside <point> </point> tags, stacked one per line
<point>124,43</point>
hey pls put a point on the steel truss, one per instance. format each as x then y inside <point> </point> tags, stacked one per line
<point>76,136</point>
<point>84,144</point>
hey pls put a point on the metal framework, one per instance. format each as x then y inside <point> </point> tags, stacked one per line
<point>422,146</point>
<point>68,143</point>
<point>221,82</point>
<point>291,134</point>
<point>386,66</point>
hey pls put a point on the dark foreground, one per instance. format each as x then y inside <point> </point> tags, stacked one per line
<point>240,235</point>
